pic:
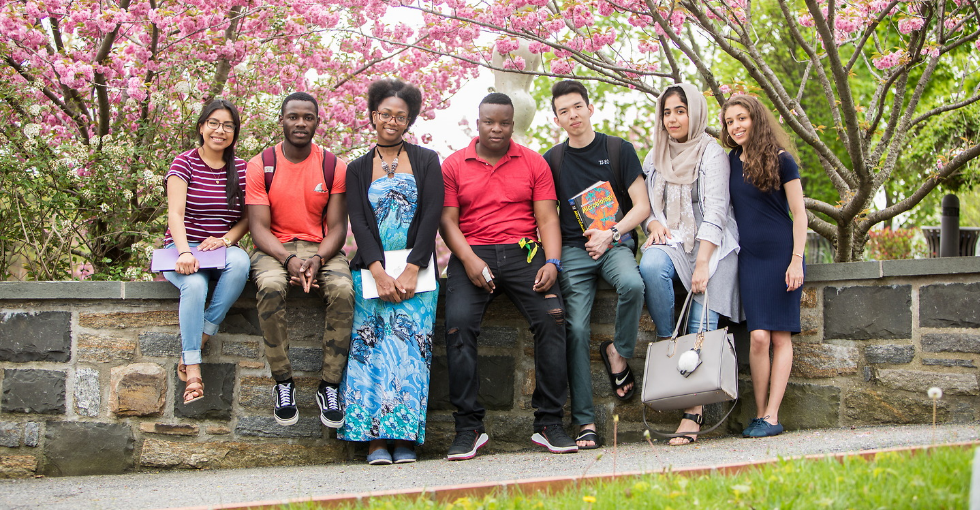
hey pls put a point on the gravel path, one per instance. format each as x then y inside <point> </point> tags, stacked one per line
<point>197,488</point>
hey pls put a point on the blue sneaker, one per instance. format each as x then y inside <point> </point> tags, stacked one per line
<point>766,429</point>
<point>752,425</point>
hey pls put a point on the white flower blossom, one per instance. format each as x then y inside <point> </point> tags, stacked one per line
<point>935,393</point>
<point>182,87</point>
<point>105,207</point>
<point>32,130</point>
<point>34,109</point>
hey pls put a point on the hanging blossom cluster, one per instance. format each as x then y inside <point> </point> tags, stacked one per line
<point>164,56</point>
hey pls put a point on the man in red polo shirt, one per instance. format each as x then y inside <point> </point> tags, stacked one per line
<point>499,196</point>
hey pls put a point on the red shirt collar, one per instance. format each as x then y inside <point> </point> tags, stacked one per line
<point>513,151</point>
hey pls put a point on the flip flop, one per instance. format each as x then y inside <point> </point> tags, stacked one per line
<point>619,380</point>
<point>193,390</point>
<point>589,435</point>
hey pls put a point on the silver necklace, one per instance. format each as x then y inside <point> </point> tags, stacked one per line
<point>394,163</point>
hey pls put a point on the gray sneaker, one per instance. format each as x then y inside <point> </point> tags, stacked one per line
<point>466,444</point>
<point>554,438</point>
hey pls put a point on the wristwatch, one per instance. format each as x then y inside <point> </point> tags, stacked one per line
<point>556,262</point>
<point>616,234</point>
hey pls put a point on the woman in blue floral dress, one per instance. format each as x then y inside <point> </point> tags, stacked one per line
<point>395,195</point>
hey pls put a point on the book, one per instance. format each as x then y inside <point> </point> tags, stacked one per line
<point>597,208</point>
<point>395,262</point>
<point>166,259</point>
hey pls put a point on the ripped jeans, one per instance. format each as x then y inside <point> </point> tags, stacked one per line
<point>465,307</point>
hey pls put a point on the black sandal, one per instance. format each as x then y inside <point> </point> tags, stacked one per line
<point>589,435</point>
<point>696,418</point>
<point>621,379</point>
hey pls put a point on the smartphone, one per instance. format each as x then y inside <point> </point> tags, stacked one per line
<point>486,274</point>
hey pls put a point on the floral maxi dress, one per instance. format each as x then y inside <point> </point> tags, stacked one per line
<point>385,388</point>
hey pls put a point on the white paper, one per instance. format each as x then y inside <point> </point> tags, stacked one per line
<point>395,262</point>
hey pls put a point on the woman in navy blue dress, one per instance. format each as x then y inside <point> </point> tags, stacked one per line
<point>765,189</point>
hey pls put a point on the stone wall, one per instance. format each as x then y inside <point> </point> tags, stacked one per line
<point>88,372</point>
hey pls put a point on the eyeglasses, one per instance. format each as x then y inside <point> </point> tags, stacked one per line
<point>215,124</point>
<point>385,117</point>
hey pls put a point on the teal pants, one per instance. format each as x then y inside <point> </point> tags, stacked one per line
<point>579,278</point>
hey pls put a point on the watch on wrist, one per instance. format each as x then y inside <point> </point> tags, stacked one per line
<point>616,234</point>
<point>227,242</point>
<point>556,262</point>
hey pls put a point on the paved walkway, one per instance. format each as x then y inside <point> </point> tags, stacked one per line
<point>193,488</point>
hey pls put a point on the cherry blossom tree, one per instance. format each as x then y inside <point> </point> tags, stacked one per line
<point>644,44</point>
<point>99,96</point>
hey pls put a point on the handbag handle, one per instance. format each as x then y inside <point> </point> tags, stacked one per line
<point>685,313</point>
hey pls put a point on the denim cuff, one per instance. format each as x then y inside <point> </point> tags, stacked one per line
<point>210,329</point>
<point>192,357</point>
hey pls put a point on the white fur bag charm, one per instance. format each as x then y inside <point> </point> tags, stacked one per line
<point>689,362</point>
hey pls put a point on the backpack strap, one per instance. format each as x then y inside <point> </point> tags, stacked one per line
<point>269,165</point>
<point>557,156</point>
<point>329,167</point>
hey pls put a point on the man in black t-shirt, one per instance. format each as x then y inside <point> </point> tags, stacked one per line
<point>584,160</point>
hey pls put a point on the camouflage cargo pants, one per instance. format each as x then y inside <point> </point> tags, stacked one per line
<point>337,291</point>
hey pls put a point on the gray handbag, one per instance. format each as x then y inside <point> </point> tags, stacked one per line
<point>694,369</point>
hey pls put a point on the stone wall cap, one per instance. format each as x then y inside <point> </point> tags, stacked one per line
<point>839,271</point>
<point>920,267</point>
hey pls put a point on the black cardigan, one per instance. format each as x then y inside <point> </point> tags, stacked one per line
<point>425,224</point>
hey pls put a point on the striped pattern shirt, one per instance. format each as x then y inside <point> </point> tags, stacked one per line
<point>207,213</point>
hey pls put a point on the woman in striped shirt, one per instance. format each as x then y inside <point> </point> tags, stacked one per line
<point>205,209</point>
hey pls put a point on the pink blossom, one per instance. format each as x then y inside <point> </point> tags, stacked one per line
<point>561,66</point>
<point>507,45</point>
<point>725,89</point>
<point>515,63</point>
<point>909,25</point>
<point>932,51</point>
<point>976,44</point>
<point>890,60</point>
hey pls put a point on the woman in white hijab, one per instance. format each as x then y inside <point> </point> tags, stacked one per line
<point>691,232</point>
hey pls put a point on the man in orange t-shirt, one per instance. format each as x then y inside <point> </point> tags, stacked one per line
<point>299,227</point>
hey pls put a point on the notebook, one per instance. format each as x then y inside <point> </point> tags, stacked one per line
<point>166,259</point>
<point>395,262</point>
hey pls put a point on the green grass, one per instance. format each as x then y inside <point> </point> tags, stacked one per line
<point>937,479</point>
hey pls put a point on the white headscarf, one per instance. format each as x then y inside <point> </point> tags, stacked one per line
<point>676,164</point>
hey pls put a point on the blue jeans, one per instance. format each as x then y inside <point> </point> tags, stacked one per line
<point>195,320</point>
<point>578,287</point>
<point>659,275</point>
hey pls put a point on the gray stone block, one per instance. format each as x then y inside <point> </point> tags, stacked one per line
<point>88,393</point>
<point>10,434</point>
<point>891,354</point>
<point>32,434</point>
<point>306,359</point>
<point>87,448</point>
<point>496,383</point>
<point>241,321</point>
<point>843,271</point>
<point>305,323</point>
<point>219,392</point>
<point>154,343</point>
<point>33,391</point>
<point>950,305</point>
<point>804,406</point>
<point>35,336</point>
<point>150,290</point>
<point>865,312</point>
<point>951,342</point>
<point>245,349</point>
<point>23,291</point>
<point>918,381</point>
<point>922,267</point>
<point>266,426</point>
<point>943,362</point>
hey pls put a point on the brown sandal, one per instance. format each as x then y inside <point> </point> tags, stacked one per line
<point>193,390</point>
<point>182,368</point>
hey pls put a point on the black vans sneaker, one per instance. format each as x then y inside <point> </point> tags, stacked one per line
<point>466,444</point>
<point>284,396</point>
<point>554,438</point>
<point>330,413</point>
